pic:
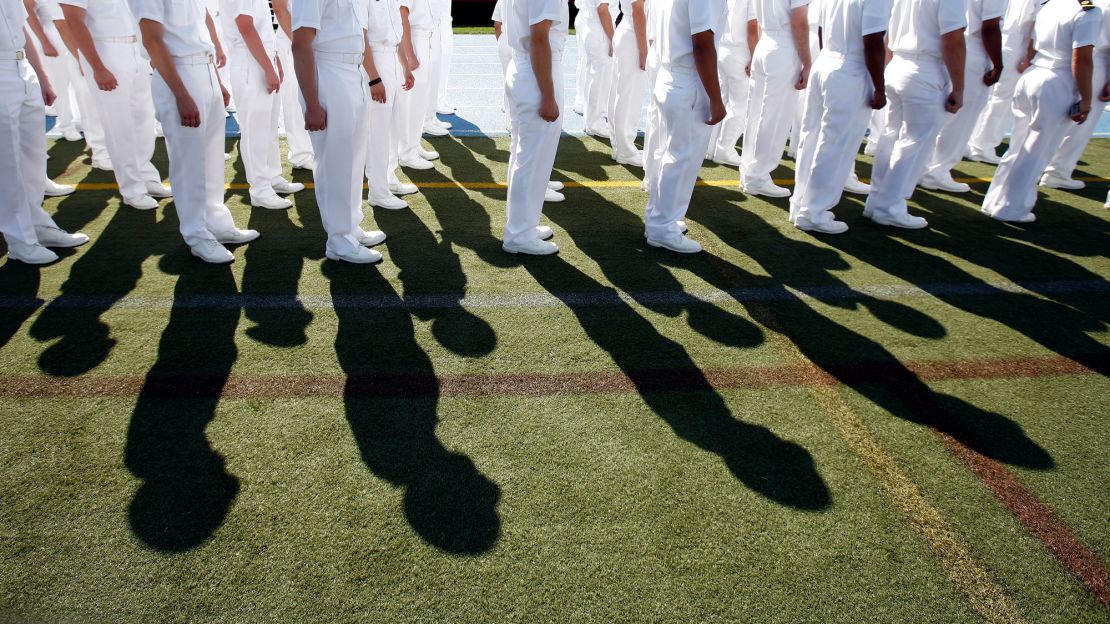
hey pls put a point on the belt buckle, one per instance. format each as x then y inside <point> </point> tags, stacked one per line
<point>20,55</point>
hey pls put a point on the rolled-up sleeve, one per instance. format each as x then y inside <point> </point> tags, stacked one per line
<point>876,16</point>
<point>1086,28</point>
<point>548,10</point>
<point>307,14</point>
<point>951,15</point>
<point>153,10</point>
<point>705,15</point>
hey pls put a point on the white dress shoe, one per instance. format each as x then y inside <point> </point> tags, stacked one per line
<point>389,202</point>
<point>371,238</point>
<point>51,111</point>
<point>50,236</point>
<point>53,189</point>
<point>446,125</point>
<point>236,236</point>
<point>677,243</point>
<point>271,202</point>
<point>434,130</point>
<point>553,197</point>
<point>682,226</point>
<point>286,187</point>
<point>871,148</point>
<point>827,227</point>
<point>1051,180</point>
<point>158,190</point>
<point>578,108</point>
<point>544,232</point>
<point>307,164</point>
<point>361,255</point>
<point>906,221</point>
<point>227,157</point>
<point>428,154</point>
<point>854,186</point>
<point>555,185</point>
<point>600,133</point>
<point>212,252</point>
<point>728,159</point>
<point>402,188</point>
<point>30,254</point>
<point>631,161</point>
<point>416,163</point>
<point>984,157</point>
<point>142,202</point>
<point>535,247</point>
<point>103,164</point>
<point>158,133</point>
<point>769,189</point>
<point>946,184</point>
<point>72,135</point>
<point>446,109</point>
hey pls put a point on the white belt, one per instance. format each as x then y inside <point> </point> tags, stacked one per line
<point>384,47</point>
<point>194,59</point>
<point>679,70</point>
<point>1053,65</point>
<point>422,32</point>
<point>17,55</point>
<point>128,39</point>
<point>350,58</point>
<point>919,56</point>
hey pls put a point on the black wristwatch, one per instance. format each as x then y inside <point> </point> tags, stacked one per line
<point>375,81</point>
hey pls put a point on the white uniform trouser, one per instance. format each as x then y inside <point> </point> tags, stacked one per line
<point>300,146</point>
<point>57,68</point>
<point>683,134</point>
<point>652,152</point>
<point>731,62</point>
<point>628,92</point>
<point>90,120</point>
<point>836,116</point>
<point>381,157</point>
<point>414,102</point>
<point>532,147</point>
<point>257,112</point>
<point>953,138</point>
<point>435,69</point>
<point>196,154</point>
<point>599,77</point>
<point>127,115</point>
<point>775,70</point>
<point>341,149</point>
<point>23,153</point>
<point>1041,102</point>
<point>447,53</point>
<point>995,119</point>
<point>582,31</point>
<point>916,89</point>
<point>1071,149</point>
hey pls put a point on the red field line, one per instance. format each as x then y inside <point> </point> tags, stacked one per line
<point>525,384</point>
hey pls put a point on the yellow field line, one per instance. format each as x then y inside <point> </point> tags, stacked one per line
<point>970,576</point>
<point>111,186</point>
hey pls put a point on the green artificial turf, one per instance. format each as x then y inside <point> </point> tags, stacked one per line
<point>471,436</point>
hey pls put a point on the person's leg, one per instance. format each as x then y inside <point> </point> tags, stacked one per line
<point>773,100</point>
<point>447,54</point>
<point>683,106</point>
<point>336,149</point>
<point>185,148</point>
<point>1071,149</point>
<point>296,137</point>
<point>253,111</point>
<point>83,87</point>
<point>20,169</point>
<point>952,142</point>
<point>631,81</point>
<point>734,85</point>
<point>210,101</point>
<point>120,133</point>
<point>534,146</point>
<point>381,157</point>
<point>435,69</point>
<point>597,81</point>
<point>995,119</point>
<point>58,69</point>
<point>142,114</point>
<point>414,101</point>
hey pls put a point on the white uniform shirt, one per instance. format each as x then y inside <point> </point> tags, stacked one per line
<point>522,15</point>
<point>13,15</point>
<point>420,14</point>
<point>49,11</point>
<point>384,26</point>
<point>340,24</point>
<point>626,9</point>
<point>1103,46</point>
<point>1062,26</point>
<point>679,21</point>
<point>498,12</point>
<point>184,30</point>
<point>844,24</point>
<point>774,15</point>
<point>979,11</point>
<point>735,33</point>
<point>439,9</point>
<point>917,25</point>
<point>107,18</point>
<point>595,19</point>
<point>1017,24</point>
<point>258,11</point>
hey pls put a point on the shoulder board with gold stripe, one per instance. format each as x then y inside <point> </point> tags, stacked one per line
<point>1086,5</point>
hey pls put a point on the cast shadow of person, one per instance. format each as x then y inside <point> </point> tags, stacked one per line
<point>391,398</point>
<point>19,300</point>
<point>431,268</point>
<point>186,491</point>
<point>105,273</point>
<point>466,223</point>
<point>853,359</point>
<point>673,387</point>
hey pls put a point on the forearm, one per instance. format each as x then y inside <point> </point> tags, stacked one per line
<point>540,54</point>
<point>36,25</point>
<point>753,36</point>
<point>406,38</point>
<point>36,63</point>
<point>368,63</point>
<point>953,50</point>
<point>162,61</point>
<point>639,26</point>
<point>255,46</point>
<point>1082,67</point>
<point>799,32</point>
<point>304,66</point>
<point>705,60</point>
<point>874,57</point>
<point>67,37</point>
<point>497,30</point>
<point>212,33</point>
<point>283,17</point>
<point>992,43</point>
<point>75,19</point>
<point>606,18</point>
